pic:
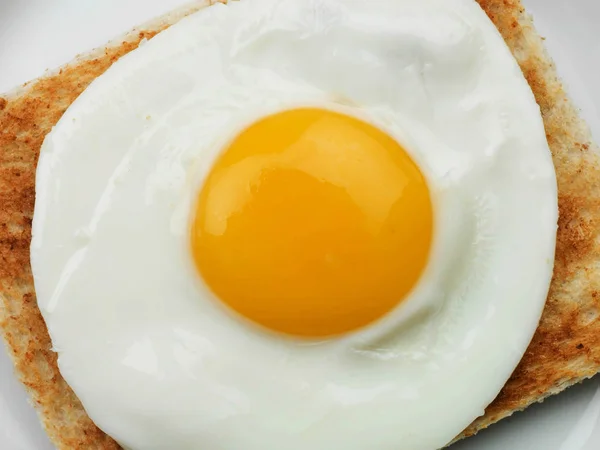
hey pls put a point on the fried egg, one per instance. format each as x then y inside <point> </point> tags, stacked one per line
<point>297,224</point>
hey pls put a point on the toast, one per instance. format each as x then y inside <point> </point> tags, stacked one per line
<point>566,345</point>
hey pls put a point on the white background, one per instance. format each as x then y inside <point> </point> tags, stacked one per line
<point>40,34</point>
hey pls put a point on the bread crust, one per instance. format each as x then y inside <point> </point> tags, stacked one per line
<point>566,345</point>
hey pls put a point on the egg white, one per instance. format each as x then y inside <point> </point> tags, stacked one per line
<point>159,363</point>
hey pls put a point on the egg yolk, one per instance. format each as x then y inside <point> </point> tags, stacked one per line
<point>312,223</point>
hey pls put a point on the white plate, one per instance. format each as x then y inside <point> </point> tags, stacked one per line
<point>38,34</point>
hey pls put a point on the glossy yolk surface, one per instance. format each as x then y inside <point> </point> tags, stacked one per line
<point>312,223</point>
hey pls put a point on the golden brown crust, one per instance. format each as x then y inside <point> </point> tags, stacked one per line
<point>24,122</point>
<point>25,119</point>
<point>564,350</point>
<point>566,345</point>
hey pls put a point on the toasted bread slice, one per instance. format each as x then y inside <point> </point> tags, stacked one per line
<point>564,350</point>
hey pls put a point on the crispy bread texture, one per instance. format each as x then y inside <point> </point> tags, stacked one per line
<point>566,345</point>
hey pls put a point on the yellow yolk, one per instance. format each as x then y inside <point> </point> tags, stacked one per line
<point>312,223</point>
